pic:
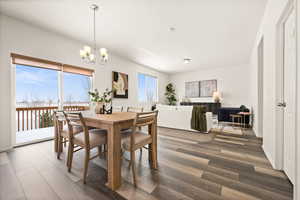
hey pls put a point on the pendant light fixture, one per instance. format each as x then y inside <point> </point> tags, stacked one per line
<point>92,54</point>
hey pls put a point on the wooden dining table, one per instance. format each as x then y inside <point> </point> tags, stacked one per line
<point>114,123</point>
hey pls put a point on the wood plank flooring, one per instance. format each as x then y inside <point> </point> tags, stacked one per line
<point>216,166</point>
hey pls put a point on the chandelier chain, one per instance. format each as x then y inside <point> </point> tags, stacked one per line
<point>95,29</point>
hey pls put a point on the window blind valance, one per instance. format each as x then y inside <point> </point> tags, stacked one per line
<point>47,64</point>
<point>35,62</point>
<point>77,70</point>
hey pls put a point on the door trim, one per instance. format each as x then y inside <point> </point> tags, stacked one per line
<point>297,175</point>
<point>260,87</point>
<point>279,136</point>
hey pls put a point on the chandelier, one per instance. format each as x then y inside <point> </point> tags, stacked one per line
<point>90,54</point>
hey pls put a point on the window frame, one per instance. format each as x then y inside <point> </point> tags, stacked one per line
<point>149,75</point>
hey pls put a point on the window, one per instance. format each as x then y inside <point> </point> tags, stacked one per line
<point>42,82</point>
<point>76,88</point>
<point>147,88</point>
<point>36,86</point>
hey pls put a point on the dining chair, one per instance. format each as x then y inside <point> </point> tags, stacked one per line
<point>135,109</point>
<point>136,139</point>
<point>62,131</point>
<point>117,108</point>
<point>87,140</point>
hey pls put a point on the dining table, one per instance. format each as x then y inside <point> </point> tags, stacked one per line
<point>114,123</point>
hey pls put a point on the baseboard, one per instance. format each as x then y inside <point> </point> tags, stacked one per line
<point>6,149</point>
<point>33,142</point>
<point>254,131</point>
<point>269,157</point>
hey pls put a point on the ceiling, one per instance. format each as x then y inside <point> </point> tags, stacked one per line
<point>213,33</point>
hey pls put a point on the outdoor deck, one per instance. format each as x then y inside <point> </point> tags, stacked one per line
<point>35,124</point>
<point>24,137</point>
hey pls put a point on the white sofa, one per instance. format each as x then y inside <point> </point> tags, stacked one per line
<point>179,117</point>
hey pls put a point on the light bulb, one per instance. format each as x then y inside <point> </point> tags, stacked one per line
<point>103,52</point>
<point>87,49</point>
<point>82,54</point>
<point>92,57</point>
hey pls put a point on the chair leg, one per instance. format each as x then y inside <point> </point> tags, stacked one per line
<point>86,164</point>
<point>132,162</point>
<point>100,151</point>
<point>150,153</point>
<point>59,150</point>
<point>105,150</point>
<point>70,149</point>
<point>70,155</point>
<point>141,153</point>
<point>65,142</point>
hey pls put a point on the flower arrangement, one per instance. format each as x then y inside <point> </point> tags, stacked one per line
<point>102,101</point>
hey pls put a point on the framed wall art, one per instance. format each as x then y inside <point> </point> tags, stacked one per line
<point>120,85</point>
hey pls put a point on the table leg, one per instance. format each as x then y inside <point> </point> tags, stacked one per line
<point>150,145</point>
<point>153,146</point>
<point>114,157</point>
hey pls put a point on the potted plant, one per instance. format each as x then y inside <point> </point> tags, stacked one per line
<point>170,94</point>
<point>97,101</point>
<point>101,101</point>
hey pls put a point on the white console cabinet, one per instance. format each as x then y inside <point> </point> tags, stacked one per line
<point>179,117</point>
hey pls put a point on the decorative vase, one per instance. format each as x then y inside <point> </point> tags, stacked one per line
<point>99,107</point>
<point>107,108</point>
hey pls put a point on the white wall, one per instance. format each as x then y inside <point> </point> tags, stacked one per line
<point>232,82</point>
<point>268,31</point>
<point>104,80</point>
<point>22,38</point>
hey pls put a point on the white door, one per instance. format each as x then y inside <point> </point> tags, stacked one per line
<point>289,95</point>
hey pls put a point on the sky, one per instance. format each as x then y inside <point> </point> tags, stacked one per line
<point>37,84</point>
<point>42,84</point>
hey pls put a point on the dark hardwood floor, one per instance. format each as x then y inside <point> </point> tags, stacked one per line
<point>221,165</point>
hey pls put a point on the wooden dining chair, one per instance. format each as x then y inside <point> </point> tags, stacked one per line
<point>138,139</point>
<point>87,140</point>
<point>117,108</point>
<point>135,109</point>
<point>62,131</point>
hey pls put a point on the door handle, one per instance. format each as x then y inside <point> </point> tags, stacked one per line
<point>281,104</point>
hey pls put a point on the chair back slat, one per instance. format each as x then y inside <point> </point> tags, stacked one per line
<point>57,116</point>
<point>76,119</point>
<point>143,119</point>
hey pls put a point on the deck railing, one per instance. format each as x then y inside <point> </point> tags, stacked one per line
<point>29,118</point>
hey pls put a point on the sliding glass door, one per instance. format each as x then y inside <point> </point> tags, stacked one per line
<point>42,87</point>
<point>36,98</point>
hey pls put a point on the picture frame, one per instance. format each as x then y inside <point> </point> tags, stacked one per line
<point>120,85</point>
<point>208,87</point>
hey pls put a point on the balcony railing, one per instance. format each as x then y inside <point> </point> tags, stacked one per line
<point>29,118</point>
